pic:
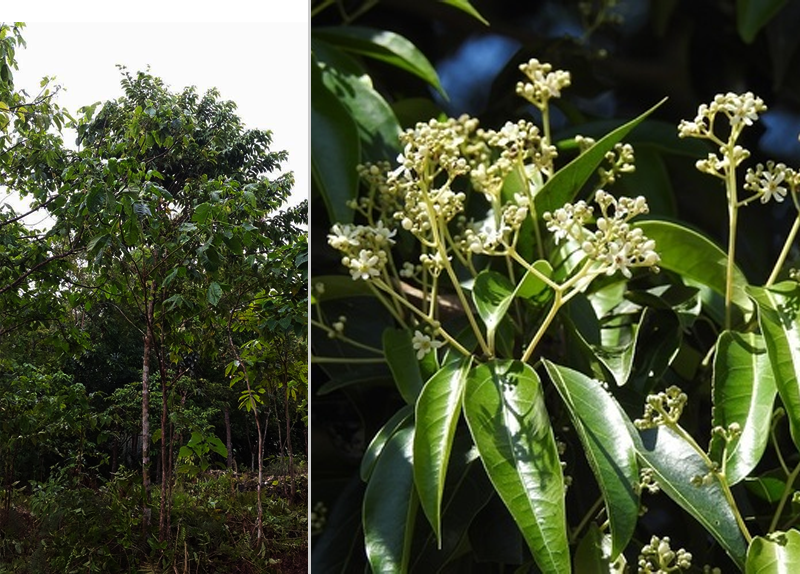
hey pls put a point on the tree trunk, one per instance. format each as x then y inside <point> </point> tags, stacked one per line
<point>162,514</point>
<point>148,341</point>
<point>289,439</point>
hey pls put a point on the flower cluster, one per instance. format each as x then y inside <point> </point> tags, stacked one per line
<point>740,110</point>
<point>380,196</point>
<point>433,156</point>
<point>519,143</point>
<point>615,245</point>
<point>544,82</point>
<point>647,481</point>
<point>621,160</point>
<point>491,237</point>
<point>365,248</point>
<point>657,556</point>
<point>665,407</point>
<point>770,182</point>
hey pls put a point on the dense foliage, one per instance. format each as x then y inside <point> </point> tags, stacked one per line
<point>168,264</point>
<point>544,339</point>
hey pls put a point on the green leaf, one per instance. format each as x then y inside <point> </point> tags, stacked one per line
<point>402,359</point>
<point>378,442</point>
<point>465,6</point>
<point>779,319</point>
<point>492,294</point>
<point>202,213</point>
<point>752,15</point>
<point>532,287</point>
<point>378,128</point>
<point>567,181</point>
<point>335,149</point>
<point>467,492</point>
<point>215,444</point>
<point>593,555</point>
<point>769,486</point>
<point>777,552</point>
<point>696,258</point>
<point>676,464</point>
<point>214,293</point>
<point>437,414</point>
<point>385,46</point>
<point>602,427</point>
<point>390,505</point>
<point>505,410</point>
<point>744,393</point>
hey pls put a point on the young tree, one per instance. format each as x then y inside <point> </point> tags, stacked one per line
<point>174,190</point>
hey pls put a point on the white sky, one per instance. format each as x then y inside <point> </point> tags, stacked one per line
<point>261,64</point>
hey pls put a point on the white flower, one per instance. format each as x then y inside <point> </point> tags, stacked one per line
<point>619,259</point>
<point>423,344</point>
<point>767,182</point>
<point>341,236</point>
<point>365,267</point>
<point>383,235</point>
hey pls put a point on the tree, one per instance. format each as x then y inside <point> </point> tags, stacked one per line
<point>173,189</point>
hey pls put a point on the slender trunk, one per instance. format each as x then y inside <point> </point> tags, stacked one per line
<point>228,437</point>
<point>289,439</point>
<point>162,514</point>
<point>148,341</point>
<point>260,508</point>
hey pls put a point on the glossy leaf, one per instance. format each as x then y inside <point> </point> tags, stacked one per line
<point>390,505</point>
<point>568,181</point>
<point>744,393</point>
<point>776,553</point>
<point>779,319</point>
<point>335,149</point>
<point>397,421</point>
<point>753,15</point>
<point>695,257</point>
<point>377,126</point>
<point>492,294</point>
<point>385,46</point>
<point>402,359</point>
<point>676,464</point>
<point>465,6</point>
<point>437,413</point>
<point>467,491</point>
<point>505,410</point>
<point>602,427</point>
<point>532,287</point>
<point>593,555</point>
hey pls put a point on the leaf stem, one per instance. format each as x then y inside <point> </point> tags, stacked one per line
<point>787,490</point>
<point>719,474</point>
<point>787,246</point>
<point>557,302</point>
<point>573,537</point>
<point>733,212</point>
